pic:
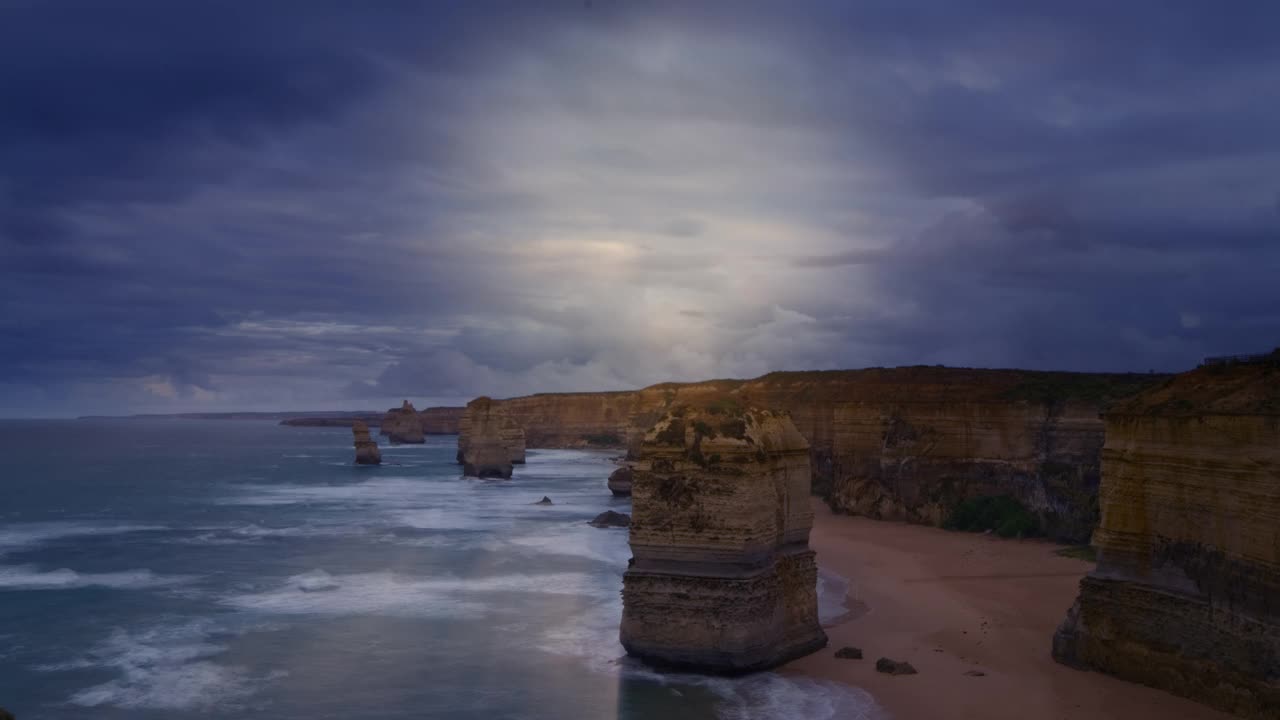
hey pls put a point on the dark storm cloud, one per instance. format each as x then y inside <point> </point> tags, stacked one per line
<point>235,205</point>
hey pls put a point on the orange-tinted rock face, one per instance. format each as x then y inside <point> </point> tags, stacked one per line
<point>1186,594</point>
<point>403,425</point>
<point>900,443</point>
<point>490,442</point>
<point>441,420</point>
<point>722,579</point>
<point>367,452</point>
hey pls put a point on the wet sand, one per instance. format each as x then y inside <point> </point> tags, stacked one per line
<point>951,602</point>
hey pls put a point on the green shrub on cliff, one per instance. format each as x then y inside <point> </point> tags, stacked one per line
<point>608,439</point>
<point>1051,388</point>
<point>703,429</point>
<point>1001,514</point>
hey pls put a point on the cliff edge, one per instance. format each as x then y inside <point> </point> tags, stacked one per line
<point>908,443</point>
<point>1186,593</point>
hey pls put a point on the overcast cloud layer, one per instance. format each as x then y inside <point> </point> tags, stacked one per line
<point>293,205</point>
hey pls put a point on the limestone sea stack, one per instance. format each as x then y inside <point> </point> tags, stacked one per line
<point>403,425</point>
<point>722,580</point>
<point>490,441</point>
<point>1186,593</point>
<point>367,452</point>
<point>620,482</point>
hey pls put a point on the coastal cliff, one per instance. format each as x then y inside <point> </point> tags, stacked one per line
<point>893,443</point>
<point>441,420</point>
<point>1186,593</point>
<point>722,578</point>
<point>491,442</point>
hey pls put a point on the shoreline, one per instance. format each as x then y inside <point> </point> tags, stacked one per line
<point>952,602</point>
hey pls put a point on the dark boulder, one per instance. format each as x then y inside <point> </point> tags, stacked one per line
<point>893,667</point>
<point>609,518</point>
<point>849,652</point>
<point>544,501</point>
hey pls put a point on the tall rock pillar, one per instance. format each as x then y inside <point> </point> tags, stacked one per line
<point>489,441</point>
<point>723,580</point>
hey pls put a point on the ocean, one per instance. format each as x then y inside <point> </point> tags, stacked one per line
<point>197,569</point>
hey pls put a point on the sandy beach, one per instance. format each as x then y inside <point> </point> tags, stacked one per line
<point>950,603</point>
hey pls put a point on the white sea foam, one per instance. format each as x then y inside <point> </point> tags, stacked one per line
<point>381,491</point>
<point>385,593</point>
<point>253,533</point>
<point>444,519</point>
<point>18,535</point>
<point>315,581</point>
<point>833,592</point>
<point>592,636</point>
<point>770,696</point>
<point>27,577</point>
<point>167,667</point>
<point>577,539</point>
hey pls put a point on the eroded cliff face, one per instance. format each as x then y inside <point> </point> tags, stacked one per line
<point>893,443</point>
<point>441,420</point>
<point>916,461</point>
<point>722,578</point>
<point>1186,593</point>
<point>403,425</point>
<point>490,441</point>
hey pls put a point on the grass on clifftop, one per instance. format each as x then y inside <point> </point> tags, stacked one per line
<point>1054,387</point>
<point>1000,514</point>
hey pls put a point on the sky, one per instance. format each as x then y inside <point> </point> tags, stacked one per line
<point>212,206</point>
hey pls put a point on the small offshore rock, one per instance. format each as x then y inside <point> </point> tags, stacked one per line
<point>975,673</point>
<point>893,667</point>
<point>367,452</point>
<point>849,652</point>
<point>544,501</point>
<point>609,518</point>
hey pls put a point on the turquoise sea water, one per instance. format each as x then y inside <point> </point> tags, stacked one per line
<point>200,569</point>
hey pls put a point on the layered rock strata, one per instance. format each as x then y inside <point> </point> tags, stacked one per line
<point>619,482</point>
<point>491,442</point>
<point>441,420</point>
<point>1186,593</point>
<point>367,452</point>
<point>893,443</point>
<point>722,579</point>
<point>403,425</point>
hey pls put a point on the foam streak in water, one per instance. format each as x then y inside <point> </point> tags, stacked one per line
<point>25,577</point>
<point>166,667</point>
